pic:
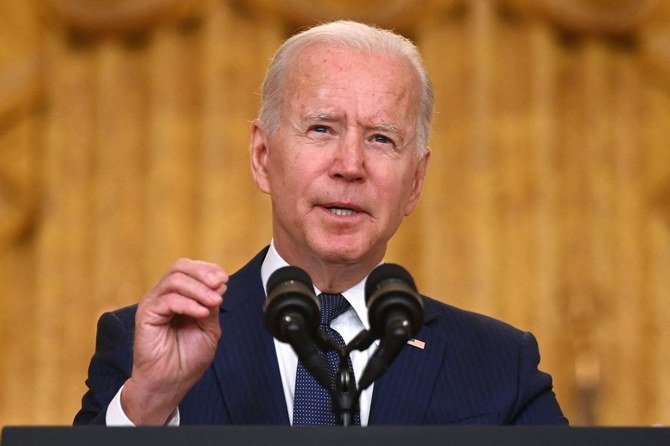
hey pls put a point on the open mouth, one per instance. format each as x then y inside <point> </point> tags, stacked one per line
<point>342,212</point>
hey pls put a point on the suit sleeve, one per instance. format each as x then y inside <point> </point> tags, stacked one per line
<point>110,367</point>
<point>536,402</point>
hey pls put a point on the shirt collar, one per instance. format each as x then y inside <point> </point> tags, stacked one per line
<point>354,295</point>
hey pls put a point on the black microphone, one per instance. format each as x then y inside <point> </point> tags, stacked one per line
<point>395,312</point>
<point>292,315</point>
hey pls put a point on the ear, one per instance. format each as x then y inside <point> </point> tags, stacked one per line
<point>417,183</point>
<point>258,155</point>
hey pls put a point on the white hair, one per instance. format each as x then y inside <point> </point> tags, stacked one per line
<point>353,35</point>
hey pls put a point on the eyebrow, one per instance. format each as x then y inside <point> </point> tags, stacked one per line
<point>386,127</point>
<point>389,128</point>
<point>319,117</point>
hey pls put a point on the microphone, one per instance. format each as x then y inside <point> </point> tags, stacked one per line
<point>292,315</point>
<point>395,312</point>
<point>291,302</point>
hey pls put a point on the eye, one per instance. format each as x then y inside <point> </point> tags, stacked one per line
<point>382,139</point>
<point>320,128</point>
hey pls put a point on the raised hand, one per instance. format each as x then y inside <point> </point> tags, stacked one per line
<point>176,334</point>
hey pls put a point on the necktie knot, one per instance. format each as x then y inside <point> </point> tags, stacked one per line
<point>332,305</point>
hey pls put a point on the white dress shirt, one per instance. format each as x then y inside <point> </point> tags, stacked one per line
<point>348,324</point>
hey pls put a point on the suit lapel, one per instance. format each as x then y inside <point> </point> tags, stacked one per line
<point>246,362</point>
<point>248,374</point>
<point>402,395</point>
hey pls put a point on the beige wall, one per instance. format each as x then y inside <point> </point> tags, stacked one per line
<point>123,134</point>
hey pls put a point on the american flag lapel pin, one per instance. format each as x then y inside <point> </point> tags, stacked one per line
<point>417,343</point>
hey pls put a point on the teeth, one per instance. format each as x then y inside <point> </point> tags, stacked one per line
<point>342,212</point>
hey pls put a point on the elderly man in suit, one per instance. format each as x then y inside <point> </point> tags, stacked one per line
<point>340,147</point>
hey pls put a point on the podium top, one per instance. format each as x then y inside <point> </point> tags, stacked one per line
<point>333,436</point>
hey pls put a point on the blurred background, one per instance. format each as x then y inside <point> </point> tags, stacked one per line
<point>123,146</point>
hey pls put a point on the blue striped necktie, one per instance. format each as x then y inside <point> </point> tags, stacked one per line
<point>313,405</point>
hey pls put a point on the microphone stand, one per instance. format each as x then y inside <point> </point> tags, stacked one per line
<point>345,397</point>
<point>345,393</point>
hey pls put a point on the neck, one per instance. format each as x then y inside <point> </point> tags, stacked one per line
<point>331,276</point>
<point>337,278</point>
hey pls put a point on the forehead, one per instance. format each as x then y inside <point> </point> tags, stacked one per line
<point>333,73</point>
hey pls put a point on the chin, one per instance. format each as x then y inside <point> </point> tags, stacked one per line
<point>341,249</point>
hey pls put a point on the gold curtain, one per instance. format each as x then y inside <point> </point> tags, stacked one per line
<point>123,135</point>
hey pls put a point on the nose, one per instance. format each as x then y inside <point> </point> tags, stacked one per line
<point>349,158</point>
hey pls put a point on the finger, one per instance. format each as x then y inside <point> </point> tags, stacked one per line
<point>164,309</point>
<point>210,274</point>
<point>188,287</point>
<point>211,322</point>
<point>222,289</point>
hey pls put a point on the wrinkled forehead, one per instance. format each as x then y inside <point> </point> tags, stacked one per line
<point>351,71</point>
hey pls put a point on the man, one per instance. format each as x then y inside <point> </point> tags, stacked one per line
<point>340,147</point>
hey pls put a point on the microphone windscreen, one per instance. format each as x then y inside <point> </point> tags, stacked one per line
<point>290,293</point>
<point>286,274</point>
<point>385,272</point>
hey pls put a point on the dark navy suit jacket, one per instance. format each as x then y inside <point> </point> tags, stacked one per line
<point>473,370</point>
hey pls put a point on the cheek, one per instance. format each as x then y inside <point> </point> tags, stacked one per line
<point>396,184</point>
<point>395,196</point>
<point>290,185</point>
<point>279,168</point>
